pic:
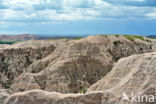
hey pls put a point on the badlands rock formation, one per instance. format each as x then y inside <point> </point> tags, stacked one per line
<point>4,94</point>
<point>44,97</point>
<point>14,59</point>
<point>66,66</point>
<point>135,74</point>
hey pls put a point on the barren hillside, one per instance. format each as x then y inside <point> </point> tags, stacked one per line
<point>64,65</point>
<point>132,74</point>
<point>73,66</point>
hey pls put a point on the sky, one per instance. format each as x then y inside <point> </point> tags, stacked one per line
<point>78,17</point>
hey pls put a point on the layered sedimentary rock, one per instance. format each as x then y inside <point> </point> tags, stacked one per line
<point>67,66</point>
<point>43,97</point>
<point>4,94</point>
<point>135,74</point>
<point>14,59</point>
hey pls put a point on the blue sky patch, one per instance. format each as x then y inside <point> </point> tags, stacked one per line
<point>78,16</point>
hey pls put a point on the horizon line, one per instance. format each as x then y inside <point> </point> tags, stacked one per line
<point>72,34</point>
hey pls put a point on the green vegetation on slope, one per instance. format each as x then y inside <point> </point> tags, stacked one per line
<point>133,37</point>
<point>139,37</point>
<point>142,38</point>
<point>129,37</point>
<point>77,39</point>
<point>7,42</point>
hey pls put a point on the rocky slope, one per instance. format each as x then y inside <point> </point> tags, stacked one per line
<point>14,59</point>
<point>4,94</point>
<point>135,74</point>
<point>66,66</point>
<point>132,74</point>
<point>44,97</point>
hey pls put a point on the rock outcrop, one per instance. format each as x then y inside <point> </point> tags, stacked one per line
<point>134,74</point>
<point>14,59</point>
<point>66,66</point>
<point>4,94</point>
<point>44,97</point>
<point>130,76</point>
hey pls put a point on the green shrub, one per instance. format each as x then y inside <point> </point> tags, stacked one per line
<point>129,37</point>
<point>117,36</point>
<point>147,40</point>
<point>117,42</point>
<point>83,90</point>
<point>7,84</point>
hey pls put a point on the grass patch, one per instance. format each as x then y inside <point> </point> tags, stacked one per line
<point>142,38</point>
<point>139,37</point>
<point>77,39</point>
<point>129,37</point>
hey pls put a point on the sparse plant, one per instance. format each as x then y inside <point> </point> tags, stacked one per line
<point>7,84</point>
<point>117,35</point>
<point>147,40</point>
<point>77,38</point>
<point>129,37</point>
<point>83,90</point>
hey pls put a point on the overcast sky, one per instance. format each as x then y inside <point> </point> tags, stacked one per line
<point>78,16</point>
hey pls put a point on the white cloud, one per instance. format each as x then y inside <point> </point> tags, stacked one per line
<point>151,15</point>
<point>69,10</point>
<point>15,15</point>
<point>16,2</point>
